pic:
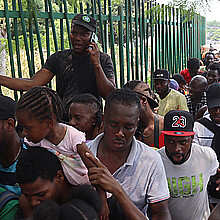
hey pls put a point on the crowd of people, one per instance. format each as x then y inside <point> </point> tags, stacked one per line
<point>147,155</point>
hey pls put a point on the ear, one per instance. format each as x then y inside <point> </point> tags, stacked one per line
<point>94,119</point>
<point>49,122</point>
<point>143,100</point>
<point>59,176</point>
<point>9,124</point>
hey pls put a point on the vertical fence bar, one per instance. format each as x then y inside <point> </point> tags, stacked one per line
<point>53,25</point>
<point>112,40</point>
<point>141,40</point>
<point>152,43</point>
<point>136,41</point>
<point>131,39</point>
<point>31,36</point>
<point>61,27</point>
<point>101,26</point>
<point>145,47</point>
<point>127,40</point>
<point>17,47</point>
<point>25,38</point>
<point>9,41</point>
<point>67,21</point>
<point>121,46</point>
<point>163,39</point>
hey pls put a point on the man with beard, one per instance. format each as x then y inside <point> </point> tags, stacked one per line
<point>169,99</point>
<point>188,168</point>
<point>209,59</point>
<point>83,69</point>
<point>197,95</point>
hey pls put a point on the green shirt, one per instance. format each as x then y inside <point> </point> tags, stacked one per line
<point>173,101</point>
<point>10,209</point>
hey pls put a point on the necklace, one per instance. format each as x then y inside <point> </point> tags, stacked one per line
<point>18,153</point>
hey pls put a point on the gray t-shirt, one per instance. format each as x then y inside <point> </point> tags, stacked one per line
<point>142,176</point>
<point>188,183</point>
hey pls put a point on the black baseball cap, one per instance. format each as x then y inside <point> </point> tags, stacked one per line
<point>85,21</point>
<point>179,78</point>
<point>178,123</point>
<point>213,95</point>
<point>161,74</point>
<point>7,107</point>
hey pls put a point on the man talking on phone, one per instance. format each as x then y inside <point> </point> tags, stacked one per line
<point>83,69</point>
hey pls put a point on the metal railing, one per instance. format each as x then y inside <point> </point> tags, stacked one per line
<point>141,36</point>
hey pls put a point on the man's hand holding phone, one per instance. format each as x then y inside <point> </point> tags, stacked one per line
<point>94,51</point>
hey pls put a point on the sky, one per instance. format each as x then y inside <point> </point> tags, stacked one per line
<point>213,14</point>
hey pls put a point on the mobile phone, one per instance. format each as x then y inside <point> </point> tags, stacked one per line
<point>95,38</point>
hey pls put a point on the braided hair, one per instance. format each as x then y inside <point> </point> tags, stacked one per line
<point>42,102</point>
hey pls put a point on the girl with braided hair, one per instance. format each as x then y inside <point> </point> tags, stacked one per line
<point>39,111</point>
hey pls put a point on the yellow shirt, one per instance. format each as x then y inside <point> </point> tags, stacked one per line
<point>173,101</point>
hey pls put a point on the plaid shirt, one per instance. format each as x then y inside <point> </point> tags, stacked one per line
<point>193,109</point>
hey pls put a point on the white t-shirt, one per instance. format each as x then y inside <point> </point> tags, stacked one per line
<point>73,166</point>
<point>142,176</point>
<point>203,136</point>
<point>188,183</point>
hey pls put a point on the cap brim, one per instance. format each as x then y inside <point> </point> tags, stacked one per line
<point>178,133</point>
<point>213,103</point>
<point>89,27</point>
<point>161,78</point>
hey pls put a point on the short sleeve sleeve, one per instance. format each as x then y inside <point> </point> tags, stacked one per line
<point>107,65</point>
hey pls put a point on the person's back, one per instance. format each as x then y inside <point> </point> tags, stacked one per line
<point>192,69</point>
<point>8,204</point>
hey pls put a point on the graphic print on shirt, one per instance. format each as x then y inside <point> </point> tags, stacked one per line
<point>185,186</point>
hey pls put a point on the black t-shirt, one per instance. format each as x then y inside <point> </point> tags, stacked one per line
<point>76,75</point>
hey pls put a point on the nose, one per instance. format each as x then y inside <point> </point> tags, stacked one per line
<point>120,133</point>
<point>72,122</point>
<point>35,201</point>
<point>177,148</point>
<point>24,132</point>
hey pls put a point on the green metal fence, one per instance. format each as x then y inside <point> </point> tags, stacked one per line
<point>140,35</point>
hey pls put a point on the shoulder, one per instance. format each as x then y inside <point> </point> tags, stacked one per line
<point>207,153</point>
<point>147,155</point>
<point>176,94</point>
<point>73,134</point>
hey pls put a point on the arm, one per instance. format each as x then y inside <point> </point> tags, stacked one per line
<point>160,210</point>
<point>104,85</point>
<point>41,78</point>
<point>81,149</point>
<point>101,176</point>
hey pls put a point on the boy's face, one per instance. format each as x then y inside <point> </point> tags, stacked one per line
<point>40,190</point>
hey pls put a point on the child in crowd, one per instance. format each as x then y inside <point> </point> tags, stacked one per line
<point>85,114</point>
<point>39,111</point>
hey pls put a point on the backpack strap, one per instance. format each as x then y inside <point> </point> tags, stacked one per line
<point>209,124</point>
<point>5,197</point>
<point>156,131</point>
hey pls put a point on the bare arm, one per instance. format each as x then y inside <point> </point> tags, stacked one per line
<point>41,78</point>
<point>82,149</point>
<point>160,210</point>
<point>104,85</point>
<point>101,176</point>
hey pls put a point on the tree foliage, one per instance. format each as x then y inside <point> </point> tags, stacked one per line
<point>213,30</point>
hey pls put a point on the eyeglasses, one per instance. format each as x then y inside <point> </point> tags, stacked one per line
<point>81,34</point>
